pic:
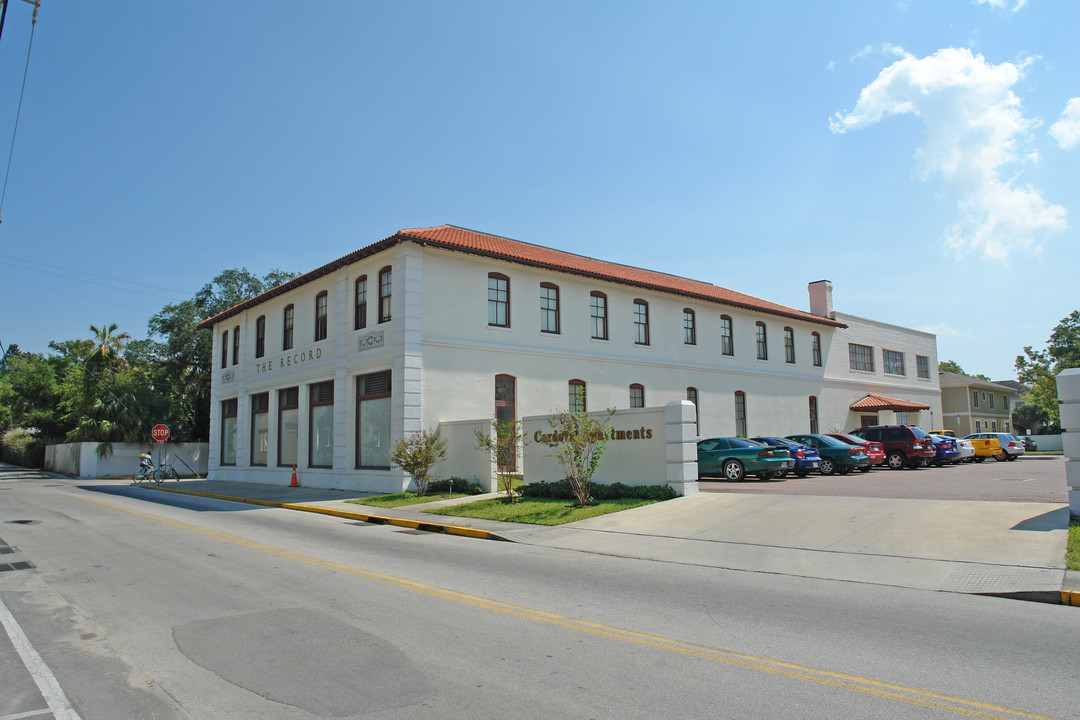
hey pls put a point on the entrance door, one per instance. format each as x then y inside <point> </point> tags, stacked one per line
<point>506,411</point>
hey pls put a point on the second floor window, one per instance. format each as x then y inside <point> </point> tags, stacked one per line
<point>236,345</point>
<point>893,362</point>
<point>762,342</point>
<point>498,300</point>
<point>975,398</point>
<point>991,401</point>
<point>861,357</point>
<point>637,395</point>
<point>641,322</point>
<point>224,349</point>
<point>789,345</point>
<point>287,328</point>
<point>727,339</point>
<point>922,366</point>
<point>260,336</point>
<point>384,294</point>
<point>598,312</point>
<point>360,313</point>
<point>577,396</point>
<point>549,308</point>
<point>689,325</point>
<point>815,348</point>
<point>320,315</point>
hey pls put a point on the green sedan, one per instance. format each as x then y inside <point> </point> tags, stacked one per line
<point>732,458</point>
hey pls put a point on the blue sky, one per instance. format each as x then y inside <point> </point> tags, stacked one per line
<point>920,154</point>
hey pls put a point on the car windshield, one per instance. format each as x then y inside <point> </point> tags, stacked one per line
<point>851,439</point>
<point>826,441</point>
<point>744,443</point>
<point>776,441</point>
<point>919,432</point>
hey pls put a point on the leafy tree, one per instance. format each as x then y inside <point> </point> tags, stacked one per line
<point>951,366</point>
<point>417,454</point>
<point>30,392</point>
<point>1038,369</point>
<point>501,443</point>
<point>578,441</point>
<point>108,344</point>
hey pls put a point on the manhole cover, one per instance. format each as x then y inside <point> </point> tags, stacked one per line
<point>21,522</point>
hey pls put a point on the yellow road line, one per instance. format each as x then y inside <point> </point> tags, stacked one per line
<point>914,696</point>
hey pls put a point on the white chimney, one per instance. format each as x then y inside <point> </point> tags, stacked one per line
<point>821,299</point>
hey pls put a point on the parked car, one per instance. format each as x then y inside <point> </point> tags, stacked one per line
<point>946,451</point>
<point>732,458</point>
<point>1029,444</point>
<point>984,446</point>
<point>807,457</point>
<point>905,445</point>
<point>967,451</point>
<point>873,449</point>
<point>837,456</point>
<point>1009,446</point>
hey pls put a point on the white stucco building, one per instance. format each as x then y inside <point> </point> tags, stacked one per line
<point>436,326</point>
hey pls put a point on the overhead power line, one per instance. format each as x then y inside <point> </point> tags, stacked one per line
<point>18,112</point>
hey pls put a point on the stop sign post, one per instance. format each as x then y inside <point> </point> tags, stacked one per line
<point>160,433</point>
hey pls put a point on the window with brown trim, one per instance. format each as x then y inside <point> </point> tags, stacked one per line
<point>637,395</point>
<point>228,431</point>
<point>288,426</point>
<point>321,424</point>
<point>740,413</point>
<point>641,322</point>
<point>385,287</point>
<point>498,300</point>
<point>762,341</point>
<point>815,348</point>
<point>321,301</point>
<point>373,408</point>
<point>287,318</point>
<point>577,396</point>
<point>598,314</point>
<point>789,345</point>
<point>360,308</point>
<point>236,345</point>
<point>813,415</point>
<point>689,324</point>
<point>224,349</point>
<point>692,396</point>
<point>727,338</point>
<point>260,336</point>
<point>260,428</point>
<point>549,308</point>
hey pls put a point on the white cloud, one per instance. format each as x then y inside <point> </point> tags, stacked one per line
<point>1000,4</point>
<point>1067,129</point>
<point>974,126</point>
<point>867,49</point>
<point>940,329</point>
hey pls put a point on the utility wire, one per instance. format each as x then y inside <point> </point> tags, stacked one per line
<point>26,71</point>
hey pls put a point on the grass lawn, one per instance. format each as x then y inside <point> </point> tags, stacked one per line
<point>1072,549</point>
<point>398,499</point>
<point>537,511</point>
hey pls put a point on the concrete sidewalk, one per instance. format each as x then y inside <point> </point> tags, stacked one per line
<point>995,548</point>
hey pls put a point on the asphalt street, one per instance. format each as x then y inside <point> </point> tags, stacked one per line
<point>157,605</point>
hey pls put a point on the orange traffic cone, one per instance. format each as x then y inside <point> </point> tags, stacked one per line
<point>294,483</point>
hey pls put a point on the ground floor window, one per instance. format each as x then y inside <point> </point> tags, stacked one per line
<point>373,406</point>
<point>321,425</point>
<point>577,396</point>
<point>288,426</point>
<point>740,414</point>
<point>228,431</point>
<point>260,428</point>
<point>637,395</point>
<point>813,415</point>
<point>901,418</point>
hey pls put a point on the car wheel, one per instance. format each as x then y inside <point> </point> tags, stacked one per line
<point>766,475</point>
<point>844,470</point>
<point>896,461</point>
<point>865,469</point>
<point>826,466</point>
<point>1012,457</point>
<point>781,474</point>
<point>802,473</point>
<point>733,470</point>
<point>1001,455</point>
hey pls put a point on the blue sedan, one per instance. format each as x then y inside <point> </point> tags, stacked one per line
<point>947,452</point>
<point>807,457</point>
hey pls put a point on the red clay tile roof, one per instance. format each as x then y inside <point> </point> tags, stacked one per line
<point>880,402</point>
<point>458,239</point>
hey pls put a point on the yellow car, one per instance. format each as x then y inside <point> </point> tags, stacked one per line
<point>985,445</point>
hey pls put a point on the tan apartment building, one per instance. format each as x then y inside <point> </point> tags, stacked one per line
<point>970,405</point>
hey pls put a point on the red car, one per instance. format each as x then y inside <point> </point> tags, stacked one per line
<point>875,450</point>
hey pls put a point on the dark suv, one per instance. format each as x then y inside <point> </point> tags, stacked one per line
<point>905,445</point>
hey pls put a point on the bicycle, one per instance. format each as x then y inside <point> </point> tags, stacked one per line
<point>149,471</point>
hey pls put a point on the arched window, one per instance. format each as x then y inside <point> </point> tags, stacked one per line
<point>598,313</point>
<point>727,338</point>
<point>360,297</point>
<point>320,315</point>
<point>815,348</point>
<point>689,323</point>
<point>577,396</point>
<point>384,294</point>
<point>740,413</point>
<point>789,345</point>
<point>236,345</point>
<point>762,342</point>
<point>260,336</point>
<point>224,349</point>
<point>549,308</point>
<point>498,300</point>
<point>637,395</point>
<point>287,327</point>
<point>641,322</point>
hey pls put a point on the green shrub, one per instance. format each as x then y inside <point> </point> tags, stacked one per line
<point>461,487</point>
<point>563,490</point>
<point>23,447</point>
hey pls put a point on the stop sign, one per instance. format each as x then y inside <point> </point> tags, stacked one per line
<point>160,433</point>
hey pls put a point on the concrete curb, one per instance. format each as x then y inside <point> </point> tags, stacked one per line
<point>363,517</point>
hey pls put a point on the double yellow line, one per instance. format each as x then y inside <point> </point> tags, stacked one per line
<point>855,683</point>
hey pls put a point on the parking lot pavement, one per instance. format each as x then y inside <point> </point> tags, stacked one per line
<point>1030,479</point>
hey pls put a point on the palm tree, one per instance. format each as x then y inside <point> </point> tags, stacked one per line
<point>107,342</point>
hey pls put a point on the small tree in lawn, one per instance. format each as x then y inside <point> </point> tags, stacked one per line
<point>578,441</point>
<point>508,434</point>
<point>417,454</point>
